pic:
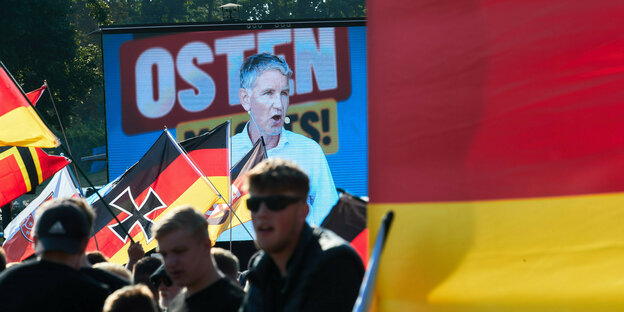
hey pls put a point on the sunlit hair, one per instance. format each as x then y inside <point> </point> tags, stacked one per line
<point>276,175</point>
<point>226,261</point>
<point>96,256</point>
<point>257,64</point>
<point>114,268</point>
<point>136,298</point>
<point>185,218</point>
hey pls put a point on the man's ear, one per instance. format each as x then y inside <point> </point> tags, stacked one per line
<point>243,96</point>
<point>304,209</point>
<point>83,245</point>
<point>207,244</point>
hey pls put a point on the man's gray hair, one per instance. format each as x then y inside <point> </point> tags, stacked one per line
<point>257,64</point>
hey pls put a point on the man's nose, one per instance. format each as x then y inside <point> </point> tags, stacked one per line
<point>262,209</point>
<point>277,101</point>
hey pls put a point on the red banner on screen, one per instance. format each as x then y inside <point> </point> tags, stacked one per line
<point>170,79</point>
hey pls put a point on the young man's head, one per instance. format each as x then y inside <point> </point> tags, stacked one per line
<point>264,92</point>
<point>62,230</point>
<point>131,298</point>
<point>184,243</point>
<point>142,271</point>
<point>278,190</point>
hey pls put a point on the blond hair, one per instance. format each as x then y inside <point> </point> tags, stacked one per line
<point>137,298</point>
<point>184,217</point>
<point>114,268</point>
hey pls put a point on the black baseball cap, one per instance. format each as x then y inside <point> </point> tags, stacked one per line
<point>61,227</point>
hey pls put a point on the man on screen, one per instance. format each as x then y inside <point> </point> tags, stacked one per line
<point>264,94</point>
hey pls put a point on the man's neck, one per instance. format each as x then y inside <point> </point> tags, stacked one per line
<point>212,275</point>
<point>70,260</point>
<point>282,257</point>
<point>270,141</point>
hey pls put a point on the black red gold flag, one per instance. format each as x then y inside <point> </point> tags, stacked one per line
<point>160,180</point>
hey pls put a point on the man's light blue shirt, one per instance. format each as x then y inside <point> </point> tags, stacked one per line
<point>308,155</point>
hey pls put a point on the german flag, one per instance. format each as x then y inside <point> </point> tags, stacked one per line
<point>348,219</point>
<point>23,168</point>
<point>19,123</point>
<point>239,197</point>
<point>161,179</point>
<point>496,138</point>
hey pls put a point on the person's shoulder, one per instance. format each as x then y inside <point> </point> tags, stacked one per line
<point>332,245</point>
<point>112,281</point>
<point>233,289</point>
<point>302,141</point>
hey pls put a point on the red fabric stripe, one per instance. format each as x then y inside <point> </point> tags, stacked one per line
<point>495,99</point>
<point>11,180</point>
<point>360,244</point>
<point>35,95</point>
<point>18,248</point>
<point>50,164</point>
<point>10,95</point>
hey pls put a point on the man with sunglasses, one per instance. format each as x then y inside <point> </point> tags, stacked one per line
<point>300,268</point>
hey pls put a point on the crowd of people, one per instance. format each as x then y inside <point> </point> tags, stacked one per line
<point>298,267</point>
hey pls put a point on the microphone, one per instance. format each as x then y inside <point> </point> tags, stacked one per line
<point>287,120</point>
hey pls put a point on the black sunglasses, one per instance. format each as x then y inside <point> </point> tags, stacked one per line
<point>165,280</point>
<point>273,202</point>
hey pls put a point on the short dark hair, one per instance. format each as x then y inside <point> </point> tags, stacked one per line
<point>274,175</point>
<point>131,298</point>
<point>226,261</point>
<point>144,268</point>
<point>96,257</point>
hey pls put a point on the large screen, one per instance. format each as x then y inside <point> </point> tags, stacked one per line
<point>186,78</point>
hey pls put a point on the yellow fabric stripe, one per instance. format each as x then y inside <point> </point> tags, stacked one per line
<point>35,157</point>
<point>23,127</point>
<point>543,254</point>
<point>199,195</point>
<point>20,163</point>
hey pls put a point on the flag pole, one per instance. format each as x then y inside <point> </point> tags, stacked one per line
<point>66,151</point>
<point>363,302</point>
<point>45,83</point>
<point>203,176</point>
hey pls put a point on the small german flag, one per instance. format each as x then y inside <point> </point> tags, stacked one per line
<point>19,123</point>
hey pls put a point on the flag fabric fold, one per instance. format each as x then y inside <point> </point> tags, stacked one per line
<point>35,95</point>
<point>19,123</point>
<point>239,197</point>
<point>18,244</point>
<point>23,168</point>
<point>348,219</point>
<point>160,180</point>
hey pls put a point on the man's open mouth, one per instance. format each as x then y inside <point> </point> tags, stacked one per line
<point>277,117</point>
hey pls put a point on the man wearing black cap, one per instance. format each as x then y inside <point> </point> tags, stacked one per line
<point>52,281</point>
